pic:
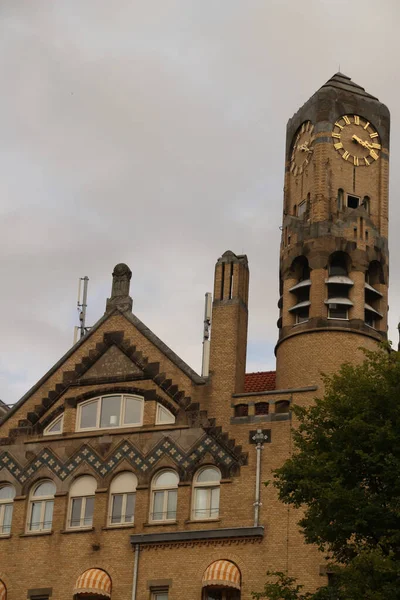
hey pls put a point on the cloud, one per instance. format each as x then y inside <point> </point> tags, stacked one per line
<point>154,134</point>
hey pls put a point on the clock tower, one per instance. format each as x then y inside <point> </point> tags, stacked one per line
<point>334,248</point>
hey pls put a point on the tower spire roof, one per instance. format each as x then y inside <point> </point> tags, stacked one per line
<point>343,82</point>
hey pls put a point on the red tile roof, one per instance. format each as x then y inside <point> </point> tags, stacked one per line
<point>261,381</point>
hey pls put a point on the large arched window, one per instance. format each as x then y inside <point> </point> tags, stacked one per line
<point>110,412</point>
<point>206,494</point>
<point>7,494</point>
<point>40,514</point>
<point>122,499</point>
<point>164,496</point>
<point>81,502</point>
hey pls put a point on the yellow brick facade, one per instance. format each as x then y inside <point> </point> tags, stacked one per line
<point>215,417</point>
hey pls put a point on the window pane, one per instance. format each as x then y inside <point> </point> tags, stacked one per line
<point>209,475</point>
<point>214,502</point>
<point>35,516</point>
<point>110,411</point>
<point>76,512</point>
<point>47,488</point>
<point>48,515</point>
<point>164,415</point>
<point>7,492</point>
<point>89,509</point>
<point>133,411</point>
<point>214,595</point>
<point>161,596</point>
<point>8,510</point>
<point>158,506</point>
<point>56,427</point>
<point>201,497</point>
<point>171,504</point>
<point>88,415</point>
<point>166,479</point>
<point>116,516</point>
<point>130,508</point>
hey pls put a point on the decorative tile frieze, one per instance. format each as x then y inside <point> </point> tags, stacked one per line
<point>124,451</point>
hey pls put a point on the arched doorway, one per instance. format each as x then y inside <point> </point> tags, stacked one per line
<point>93,584</point>
<point>221,581</point>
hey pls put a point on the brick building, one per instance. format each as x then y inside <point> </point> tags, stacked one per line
<point>126,475</point>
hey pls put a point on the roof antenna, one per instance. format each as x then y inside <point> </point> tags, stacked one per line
<point>205,367</point>
<point>82,306</point>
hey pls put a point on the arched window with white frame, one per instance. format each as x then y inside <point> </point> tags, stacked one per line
<point>41,505</point>
<point>122,499</point>
<point>7,495</point>
<point>110,412</point>
<point>55,427</point>
<point>164,496</point>
<point>206,488</point>
<point>81,502</point>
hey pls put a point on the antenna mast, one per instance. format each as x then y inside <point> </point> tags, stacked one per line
<point>206,337</point>
<point>82,306</point>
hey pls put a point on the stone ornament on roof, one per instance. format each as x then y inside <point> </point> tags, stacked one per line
<point>120,297</point>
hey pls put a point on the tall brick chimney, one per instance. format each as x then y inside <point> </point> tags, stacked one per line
<point>229,323</point>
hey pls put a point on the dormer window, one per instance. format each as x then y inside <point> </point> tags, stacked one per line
<point>110,412</point>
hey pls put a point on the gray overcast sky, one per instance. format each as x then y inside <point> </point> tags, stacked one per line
<point>152,133</point>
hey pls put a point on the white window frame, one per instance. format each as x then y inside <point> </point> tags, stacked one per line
<point>82,514</point>
<point>155,595</point>
<point>54,422</point>
<point>121,424</point>
<point>43,500</point>
<point>124,494</point>
<point>84,498</point>
<point>338,318</point>
<point>160,408</point>
<point>166,489</point>
<point>208,486</point>
<point>3,504</point>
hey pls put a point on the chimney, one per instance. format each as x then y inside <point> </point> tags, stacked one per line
<point>120,297</point>
<point>229,323</point>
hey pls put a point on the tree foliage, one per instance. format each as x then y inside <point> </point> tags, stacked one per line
<point>345,474</point>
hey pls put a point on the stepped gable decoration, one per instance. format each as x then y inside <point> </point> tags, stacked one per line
<point>262,381</point>
<point>228,460</point>
<point>120,297</point>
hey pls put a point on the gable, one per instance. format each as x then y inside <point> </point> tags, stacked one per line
<point>113,363</point>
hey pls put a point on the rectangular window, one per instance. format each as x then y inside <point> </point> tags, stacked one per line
<point>353,201</point>
<point>110,411</point>
<point>301,209</point>
<point>337,311</point>
<point>123,508</point>
<point>161,595</point>
<point>82,512</point>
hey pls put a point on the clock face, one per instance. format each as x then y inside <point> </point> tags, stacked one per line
<point>356,140</point>
<point>302,148</point>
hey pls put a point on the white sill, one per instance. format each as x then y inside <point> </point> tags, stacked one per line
<point>119,525</point>
<point>90,429</point>
<point>338,319</point>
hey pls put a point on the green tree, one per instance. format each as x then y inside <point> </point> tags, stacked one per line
<point>345,474</point>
